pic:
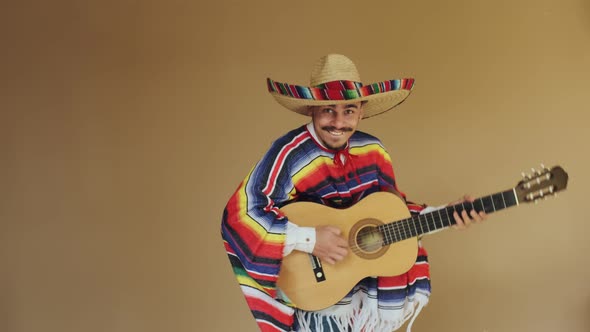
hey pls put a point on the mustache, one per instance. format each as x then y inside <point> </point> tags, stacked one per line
<point>332,128</point>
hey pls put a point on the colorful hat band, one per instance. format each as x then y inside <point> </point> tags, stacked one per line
<point>338,90</point>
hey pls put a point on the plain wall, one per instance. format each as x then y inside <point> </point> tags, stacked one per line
<point>126,125</point>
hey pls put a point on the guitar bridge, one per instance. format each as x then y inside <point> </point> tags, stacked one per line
<point>318,270</point>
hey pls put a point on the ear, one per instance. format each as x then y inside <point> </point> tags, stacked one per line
<point>310,110</point>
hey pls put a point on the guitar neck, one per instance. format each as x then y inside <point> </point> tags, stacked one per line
<point>443,218</point>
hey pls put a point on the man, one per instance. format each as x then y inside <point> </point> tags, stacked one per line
<point>328,161</point>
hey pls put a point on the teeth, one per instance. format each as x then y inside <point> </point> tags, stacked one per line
<point>336,133</point>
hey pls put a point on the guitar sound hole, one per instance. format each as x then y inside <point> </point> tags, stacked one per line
<point>369,240</point>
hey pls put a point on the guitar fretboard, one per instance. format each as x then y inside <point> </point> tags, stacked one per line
<point>442,218</point>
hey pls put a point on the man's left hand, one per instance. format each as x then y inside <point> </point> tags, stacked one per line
<point>465,219</point>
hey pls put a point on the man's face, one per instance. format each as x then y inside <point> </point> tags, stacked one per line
<point>334,124</point>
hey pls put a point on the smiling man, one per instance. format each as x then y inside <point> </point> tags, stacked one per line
<point>327,161</point>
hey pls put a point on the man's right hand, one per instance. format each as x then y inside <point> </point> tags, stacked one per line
<point>330,246</point>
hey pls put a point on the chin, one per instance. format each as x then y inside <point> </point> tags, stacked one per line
<point>336,147</point>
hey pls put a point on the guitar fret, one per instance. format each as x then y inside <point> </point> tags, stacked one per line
<point>510,198</point>
<point>428,222</point>
<point>454,210</point>
<point>403,225</point>
<point>416,232</point>
<point>498,201</point>
<point>487,207</point>
<point>493,204</point>
<point>420,223</point>
<point>477,205</point>
<point>386,234</point>
<point>391,235</point>
<point>404,230</point>
<point>442,222</point>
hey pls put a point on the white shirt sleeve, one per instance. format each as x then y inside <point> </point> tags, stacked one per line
<point>299,238</point>
<point>429,209</point>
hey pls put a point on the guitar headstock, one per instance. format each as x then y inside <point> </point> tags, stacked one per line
<point>541,183</point>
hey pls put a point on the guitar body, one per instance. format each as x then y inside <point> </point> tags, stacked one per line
<point>313,286</point>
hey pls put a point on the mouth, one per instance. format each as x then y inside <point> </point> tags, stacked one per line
<point>336,132</point>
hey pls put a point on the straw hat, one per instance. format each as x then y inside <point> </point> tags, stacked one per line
<point>335,80</point>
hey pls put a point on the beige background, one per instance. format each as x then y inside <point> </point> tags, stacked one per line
<point>126,125</point>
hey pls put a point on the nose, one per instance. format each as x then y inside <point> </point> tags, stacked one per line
<point>338,119</point>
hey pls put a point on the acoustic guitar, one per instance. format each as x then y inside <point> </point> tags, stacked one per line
<point>382,237</point>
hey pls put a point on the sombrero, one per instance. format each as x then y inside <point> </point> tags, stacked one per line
<point>335,80</point>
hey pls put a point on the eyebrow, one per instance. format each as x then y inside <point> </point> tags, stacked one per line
<point>347,106</point>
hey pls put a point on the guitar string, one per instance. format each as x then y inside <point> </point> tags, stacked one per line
<point>405,226</point>
<point>402,229</point>
<point>398,227</point>
<point>401,226</point>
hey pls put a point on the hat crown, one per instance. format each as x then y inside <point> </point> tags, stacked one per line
<point>334,67</point>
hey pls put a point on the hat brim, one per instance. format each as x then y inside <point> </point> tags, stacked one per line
<point>377,99</point>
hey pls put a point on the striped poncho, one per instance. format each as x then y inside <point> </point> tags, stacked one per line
<point>298,168</point>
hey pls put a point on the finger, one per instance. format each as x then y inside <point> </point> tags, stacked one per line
<point>466,219</point>
<point>337,258</point>
<point>475,216</point>
<point>468,198</point>
<point>341,252</point>
<point>329,260</point>
<point>458,222</point>
<point>341,243</point>
<point>334,230</point>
